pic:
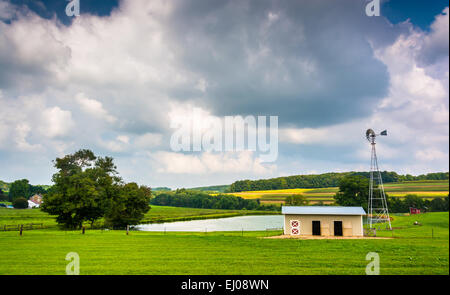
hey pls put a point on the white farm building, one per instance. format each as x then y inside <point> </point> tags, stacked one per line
<point>323,221</point>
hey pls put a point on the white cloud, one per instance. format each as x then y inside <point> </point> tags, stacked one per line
<point>21,133</point>
<point>148,140</point>
<point>7,10</point>
<point>436,44</point>
<point>32,125</point>
<point>94,108</point>
<point>207,163</point>
<point>56,122</point>
<point>123,139</point>
<point>116,145</point>
<point>431,155</point>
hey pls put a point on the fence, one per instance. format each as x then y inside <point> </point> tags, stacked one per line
<point>370,232</point>
<point>27,226</point>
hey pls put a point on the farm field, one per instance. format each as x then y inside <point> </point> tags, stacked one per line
<point>411,251</point>
<point>156,214</point>
<point>425,189</point>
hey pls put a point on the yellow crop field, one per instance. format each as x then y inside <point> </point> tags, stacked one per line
<point>420,194</point>
<point>281,192</point>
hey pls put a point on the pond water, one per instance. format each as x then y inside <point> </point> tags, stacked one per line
<point>245,223</point>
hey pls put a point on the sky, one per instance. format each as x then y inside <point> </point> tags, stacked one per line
<point>116,77</point>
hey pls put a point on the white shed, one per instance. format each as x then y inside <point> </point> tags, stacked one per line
<point>323,220</point>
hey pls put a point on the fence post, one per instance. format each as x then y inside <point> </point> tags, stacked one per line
<point>128,228</point>
<point>83,229</point>
<point>21,229</point>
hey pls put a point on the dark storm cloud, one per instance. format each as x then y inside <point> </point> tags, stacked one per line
<point>300,60</point>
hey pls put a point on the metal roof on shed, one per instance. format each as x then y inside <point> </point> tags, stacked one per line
<point>322,210</point>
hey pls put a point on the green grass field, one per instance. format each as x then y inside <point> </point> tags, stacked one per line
<point>411,251</point>
<point>425,189</point>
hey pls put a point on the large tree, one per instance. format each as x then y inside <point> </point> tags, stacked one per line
<point>353,191</point>
<point>87,188</point>
<point>73,192</point>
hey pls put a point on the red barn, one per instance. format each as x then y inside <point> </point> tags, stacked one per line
<point>414,210</point>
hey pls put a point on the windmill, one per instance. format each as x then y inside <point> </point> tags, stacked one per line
<point>377,208</point>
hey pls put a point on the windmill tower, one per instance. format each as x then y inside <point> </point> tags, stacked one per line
<point>377,209</point>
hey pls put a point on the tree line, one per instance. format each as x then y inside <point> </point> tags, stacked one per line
<point>198,199</point>
<point>354,191</point>
<point>323,180</point>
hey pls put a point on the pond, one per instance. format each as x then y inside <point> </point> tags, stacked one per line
<point>240,223</point>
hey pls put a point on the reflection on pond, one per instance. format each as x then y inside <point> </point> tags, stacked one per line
<point>245,223</point>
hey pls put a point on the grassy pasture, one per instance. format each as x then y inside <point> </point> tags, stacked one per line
<point>411,251</point>
<point>424,189</point>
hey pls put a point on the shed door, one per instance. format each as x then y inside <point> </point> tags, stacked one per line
<point>338,228</point>
<point>316,228</point>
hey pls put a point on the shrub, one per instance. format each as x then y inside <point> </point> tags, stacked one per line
<point>20,203</point>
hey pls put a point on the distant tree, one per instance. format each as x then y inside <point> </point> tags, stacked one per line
<point>3,196</point>
<point>20,203</point>
<point>129,205</point>
<point>353,191</point>
<point>413,201</point>
<point>296,200</point>
<point>439,205</point>
<point>396,205</point>
<point>19,188</point>
<point>36,189</point>
<point>283,183</point>
<point>198,199</point>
